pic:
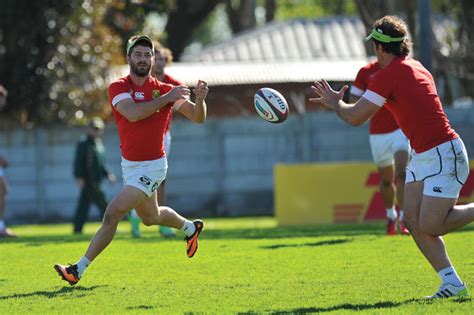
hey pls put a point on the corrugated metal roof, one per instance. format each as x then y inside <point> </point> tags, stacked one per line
<point>333,37</point>
<point>238,73</point>
<point>280,52</point>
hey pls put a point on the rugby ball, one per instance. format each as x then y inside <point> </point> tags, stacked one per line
<point>271,105</point>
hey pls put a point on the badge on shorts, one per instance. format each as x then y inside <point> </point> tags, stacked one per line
<point>156,93</point>
<point>145,181</point>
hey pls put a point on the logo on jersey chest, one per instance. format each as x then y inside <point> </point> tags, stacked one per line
<point>139,95</point>
<point>156,93</point>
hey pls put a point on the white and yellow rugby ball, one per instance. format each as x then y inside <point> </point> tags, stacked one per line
<point>271,105</point>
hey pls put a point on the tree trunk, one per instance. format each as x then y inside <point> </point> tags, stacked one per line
<point>241,15</point>
<point>182,21</point>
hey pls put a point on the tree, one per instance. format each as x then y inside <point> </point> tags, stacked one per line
<point>29,33</point>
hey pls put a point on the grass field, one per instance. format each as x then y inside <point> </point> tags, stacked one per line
<point>246,266</point>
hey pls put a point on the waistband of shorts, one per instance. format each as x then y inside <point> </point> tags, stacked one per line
<point>439,146</point>
<point>163,162</point>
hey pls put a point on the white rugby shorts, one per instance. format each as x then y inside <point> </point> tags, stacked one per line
<point>167,142</point>
<point>144,175</point>
<point>384,146</point>
<point>443,169</point>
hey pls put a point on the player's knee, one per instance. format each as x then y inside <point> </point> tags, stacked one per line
<point>410,221</point>
<point>429,228</point>
<point>112,216</point>
<point>149,221</point>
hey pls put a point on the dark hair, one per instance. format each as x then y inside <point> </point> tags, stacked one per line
<point>395,27</point>
<point>164,51</point>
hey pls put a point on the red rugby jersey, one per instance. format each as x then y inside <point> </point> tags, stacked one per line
<point>383,121</point>
<point>413,100</point>
<point>141,140</point>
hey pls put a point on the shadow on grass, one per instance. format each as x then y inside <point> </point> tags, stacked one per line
<point>345,306</point>
<point>140,307</point>
<point>322,243</point>
<point>228,233</point>
<point>326,230</point>
<point>52,294</point>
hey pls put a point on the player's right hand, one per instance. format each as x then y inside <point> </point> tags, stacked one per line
<point>178,92</point>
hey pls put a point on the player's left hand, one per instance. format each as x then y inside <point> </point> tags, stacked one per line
<point>201,90</point>
<point>327,96</point>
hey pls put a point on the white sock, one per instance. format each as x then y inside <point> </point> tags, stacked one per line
<point>400,215</point>
<point>82,264</point>
<point>188,227</point>
<point>2,225</point>
<point>391,213</point>
<point>449,275</point>
<point>134,214</point>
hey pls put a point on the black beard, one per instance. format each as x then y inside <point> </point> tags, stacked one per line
<point>138,72</point>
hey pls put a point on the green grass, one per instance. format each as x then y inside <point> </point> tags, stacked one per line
<point>246,266</point>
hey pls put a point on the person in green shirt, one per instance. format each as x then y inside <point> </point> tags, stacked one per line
<point>89,170</point>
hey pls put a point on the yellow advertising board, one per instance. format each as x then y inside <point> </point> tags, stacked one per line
<point>334,193</point>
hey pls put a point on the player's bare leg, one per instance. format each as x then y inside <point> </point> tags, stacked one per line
<point>161,197</point>
<point>128,198</point>
<point>152,214</point>
<point>424,216</point>
<point>401,160</point>
<point>387,189</point>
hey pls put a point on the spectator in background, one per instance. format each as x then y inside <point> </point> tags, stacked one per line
<point>163,58</point>
<point>4,232</point>
<point>89,170</point>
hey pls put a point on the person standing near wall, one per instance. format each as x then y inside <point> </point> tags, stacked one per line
<point>163,58</point>
<point>390,150</point>
<point>89,170</point>
<point>4,231</point>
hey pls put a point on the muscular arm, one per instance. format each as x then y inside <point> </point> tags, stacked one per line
<point>196,112</point>
<point>354,114</point>
<point>357,113</point>
<point>133,112</point>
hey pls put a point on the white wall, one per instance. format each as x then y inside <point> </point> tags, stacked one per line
<point>223,167</point>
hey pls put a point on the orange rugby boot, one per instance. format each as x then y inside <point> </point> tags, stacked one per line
<point>192,241</point>
<point>68,273</point>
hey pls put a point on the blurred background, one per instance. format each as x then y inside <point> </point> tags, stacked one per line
<point>58,57</point>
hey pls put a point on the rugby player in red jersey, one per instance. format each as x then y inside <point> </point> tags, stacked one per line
<point>163,58</point>
<point>390,150</point>
<point>439,164</point>
<point>141,105</point>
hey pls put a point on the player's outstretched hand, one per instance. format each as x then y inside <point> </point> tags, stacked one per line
<point>178,92</point>
<point>201,90</point>
<point>327,96</point>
